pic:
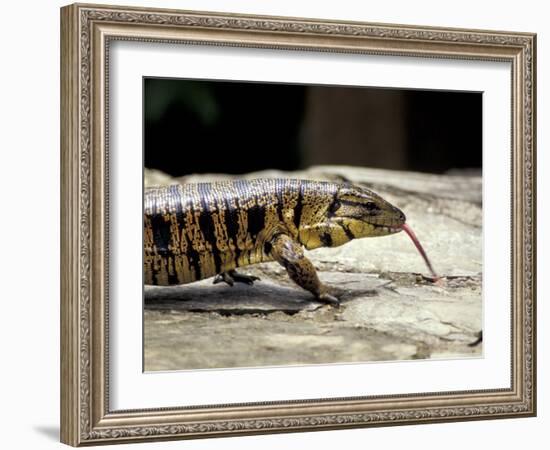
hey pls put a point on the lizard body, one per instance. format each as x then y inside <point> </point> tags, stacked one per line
<point>202,230</point>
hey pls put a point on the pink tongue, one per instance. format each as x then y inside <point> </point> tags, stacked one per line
<point>411,234</point>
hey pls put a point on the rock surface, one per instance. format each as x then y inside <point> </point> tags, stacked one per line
<point>389,310</point>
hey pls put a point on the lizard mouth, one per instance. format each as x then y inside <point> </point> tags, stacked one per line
<point>387,229</point>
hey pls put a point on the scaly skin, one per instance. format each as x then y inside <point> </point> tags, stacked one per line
<point>197,231</point>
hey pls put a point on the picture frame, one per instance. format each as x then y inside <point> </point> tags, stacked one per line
<point>87,32</point>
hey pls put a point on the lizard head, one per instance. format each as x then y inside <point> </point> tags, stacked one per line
<point>354,212</point>
<point>363,213</point>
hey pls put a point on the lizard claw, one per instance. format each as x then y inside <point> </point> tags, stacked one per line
<point>329,299</point>
<point>225,277</point>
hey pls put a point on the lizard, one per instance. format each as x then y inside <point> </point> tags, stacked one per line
<point>196,231</point>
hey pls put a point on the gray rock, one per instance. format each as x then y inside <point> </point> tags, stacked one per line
<point>389,309</point>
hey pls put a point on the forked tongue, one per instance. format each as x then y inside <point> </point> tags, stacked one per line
<point>413,237</point>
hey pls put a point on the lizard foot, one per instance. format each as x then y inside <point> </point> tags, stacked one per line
<point>329,299</point>
<point>232,276</point>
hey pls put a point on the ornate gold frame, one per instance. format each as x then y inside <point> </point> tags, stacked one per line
<point>86,31</point>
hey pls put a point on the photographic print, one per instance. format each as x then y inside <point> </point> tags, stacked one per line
<point>295,224</point>
<point>280,224</point>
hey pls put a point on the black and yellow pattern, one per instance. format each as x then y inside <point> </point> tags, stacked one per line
<point>197,231</point>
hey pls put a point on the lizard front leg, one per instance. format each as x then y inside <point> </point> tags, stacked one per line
<point>291,256</point>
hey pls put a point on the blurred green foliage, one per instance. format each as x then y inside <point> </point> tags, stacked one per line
<point>197,96</point>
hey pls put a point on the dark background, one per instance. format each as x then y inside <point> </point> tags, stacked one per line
<point>236,127</point>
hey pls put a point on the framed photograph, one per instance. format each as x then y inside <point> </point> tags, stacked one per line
<point>221,174</point>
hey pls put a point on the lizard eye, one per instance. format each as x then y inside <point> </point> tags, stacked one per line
<point>370,206</point>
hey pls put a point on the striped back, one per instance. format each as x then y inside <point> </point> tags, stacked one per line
<point>196,231</point>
